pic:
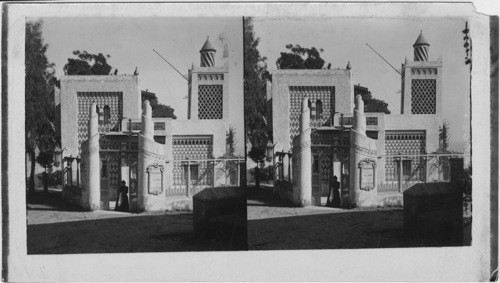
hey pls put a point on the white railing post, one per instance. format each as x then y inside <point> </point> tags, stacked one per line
<point>188,178</point>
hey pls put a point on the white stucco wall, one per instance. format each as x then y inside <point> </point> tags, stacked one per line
<point>71,85</point>
<point>341,79</point>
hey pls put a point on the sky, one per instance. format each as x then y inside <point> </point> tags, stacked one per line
<point>344,39</point>
<point>130,43</point>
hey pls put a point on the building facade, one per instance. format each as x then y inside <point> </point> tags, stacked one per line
<point>398,147</point>
<point>109,136</point>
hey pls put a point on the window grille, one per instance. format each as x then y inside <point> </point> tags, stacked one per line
<point>423,96</point>
<point>210,102</point>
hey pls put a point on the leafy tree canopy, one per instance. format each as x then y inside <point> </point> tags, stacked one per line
<point>299,57</point>
<point>159,110</point>
<point>256,74</point>
<point>88,64</point>
<point>39,91</point>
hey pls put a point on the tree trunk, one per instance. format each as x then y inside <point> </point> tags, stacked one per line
<point>257,177</point>
<point>31,184</point>
<point>45,186</point>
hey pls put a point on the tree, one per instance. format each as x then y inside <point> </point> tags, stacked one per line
<point>39,87</point>
<point>46,159</point>
<point>159,110</point>
<point>301,58</point>
<point>371,104</point>
<point>256,75</point>
<point>444,138</point>
<point>88,64</point>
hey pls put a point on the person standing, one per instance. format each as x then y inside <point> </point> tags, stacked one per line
<point>122,200</point>
<point>334,186</point>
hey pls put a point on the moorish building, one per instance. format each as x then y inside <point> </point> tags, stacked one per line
<point>108,135</point>
<point>342,139</point>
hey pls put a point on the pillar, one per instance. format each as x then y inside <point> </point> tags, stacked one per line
<point>363,160</point>
<point>303,190</point>
<point>93,181</point>
<point>151,171</point>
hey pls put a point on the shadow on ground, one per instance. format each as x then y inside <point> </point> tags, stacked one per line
<point>263,196</point>
<point>57,228</point>
<point>274,225</point>
<point>359,229</point>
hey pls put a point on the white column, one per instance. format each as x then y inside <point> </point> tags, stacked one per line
<point>94,177</point>
<point>305,187</point>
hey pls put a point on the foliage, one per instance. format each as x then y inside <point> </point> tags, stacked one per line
<point>39,90</point>
<point>88,64</point>
<point>444,137</point>
<point>230,141</point>
<point>265,174</point>
<point>45,159</point>
<point>373,105</point>
<point>159,110</point>
<point>256,75</point>
<point>300,57</point>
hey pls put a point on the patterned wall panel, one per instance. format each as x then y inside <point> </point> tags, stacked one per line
<point>194,148</point>
<point>409,143</point>
<point>114,171</point>
<point>326,94</point>
<point>210,102</point>
<point>423,96</point>
<point>85,99</point>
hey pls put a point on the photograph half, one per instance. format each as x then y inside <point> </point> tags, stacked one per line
<point>134,135</point>
<point>358,132</point>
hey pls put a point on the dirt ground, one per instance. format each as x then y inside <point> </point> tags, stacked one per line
<point>274,225</point>
<point>57,228</point>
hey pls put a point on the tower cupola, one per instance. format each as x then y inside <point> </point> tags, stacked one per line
<point>207,54</point>
<point>421,49</point>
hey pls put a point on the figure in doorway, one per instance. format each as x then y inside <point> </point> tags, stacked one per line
<point>334,186</point>
<point>122,200</point>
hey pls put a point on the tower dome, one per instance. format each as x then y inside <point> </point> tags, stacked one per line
<point>207,54</point>
<point>421,49</point>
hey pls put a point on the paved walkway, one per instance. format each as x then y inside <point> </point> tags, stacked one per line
<point>273,225</point>
<point>57,228</point>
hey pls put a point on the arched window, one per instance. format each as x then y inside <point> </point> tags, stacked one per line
<point>97,109</point>
<point>309,105</point>
<point>319,108</point>
<point>107,114</point>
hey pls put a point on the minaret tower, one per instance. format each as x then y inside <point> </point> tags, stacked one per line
<point>208,87</point>
<point>421,49</point>
<point>207,54</point>
<point>421,82</point>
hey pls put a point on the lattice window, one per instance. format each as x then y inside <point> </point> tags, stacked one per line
<point>326,94</point>
<point>423,96</point>
<point>114,100</point>
<point>210,102</point>
<point>406,143</point>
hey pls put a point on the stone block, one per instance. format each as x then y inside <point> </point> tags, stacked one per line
<point>433,211</point>
<point>218,207</point>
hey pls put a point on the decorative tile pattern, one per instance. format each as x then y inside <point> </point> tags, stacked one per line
<point>423,96</point>
<point>193,147</point>
<point>114,171</point>
<point>326,94</point>
<point>85,99</point>
<point>210,102</point>
<point>406,143</point>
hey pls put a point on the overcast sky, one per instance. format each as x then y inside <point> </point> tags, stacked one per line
<point>130,43</point>
<point>345,40</point>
